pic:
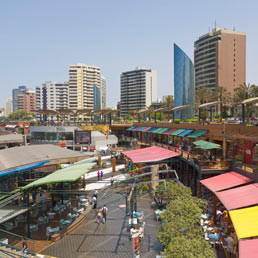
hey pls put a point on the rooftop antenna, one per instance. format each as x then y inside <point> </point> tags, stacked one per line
<point>209,29</point>
<point>215,24</point>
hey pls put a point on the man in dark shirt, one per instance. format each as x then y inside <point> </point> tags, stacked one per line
<point>24,247</point>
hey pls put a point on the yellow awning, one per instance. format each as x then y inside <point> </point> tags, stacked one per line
<point>245,222</point>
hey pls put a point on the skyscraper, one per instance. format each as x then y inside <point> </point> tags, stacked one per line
<point>82,79</point>
<point>220,59</point>
<point>16,93</point>
<point>97,98</point>
<point>138,89</point>
<point>27,101</point>
<point>183,83</point>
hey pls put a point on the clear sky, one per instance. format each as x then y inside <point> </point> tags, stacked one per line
<point>40,39</point>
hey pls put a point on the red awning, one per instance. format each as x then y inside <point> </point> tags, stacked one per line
<point>146,129</point>
<point>225,181</point>
<point>248,248</point>
<point>136,128</point>
<point>150,154</point>
<point>169,131</point>
<point>239,197</point>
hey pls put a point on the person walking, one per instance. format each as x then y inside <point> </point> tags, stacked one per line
<point>24,247</point>
<point>104,214</point>
<point>99,215</point>
<point>94,199</point>
<point>98,174</point>
<point>112,180</point>
<point>101,175</point>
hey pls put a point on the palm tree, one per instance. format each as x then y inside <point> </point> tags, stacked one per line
<point>222,95</point>
<point>169,101</point>
<point>203,95</point>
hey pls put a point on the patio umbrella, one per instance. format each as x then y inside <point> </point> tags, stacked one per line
<point>200,142</point>
<point>209,146</point>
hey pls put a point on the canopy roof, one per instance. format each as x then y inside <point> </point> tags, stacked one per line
<point>162,130</point>
<point>129,129</point>
<point>169,131</point>
<point>9,212</point>
<point>156,130</point>
<point>239,197</point>
<point>175,133</point>
<point>225,181</point>
<point>146,129</point>
<point>197,133</point>
<point>11,138</point>
<point>210,104</point>
<point>200,142</point>
<point>150,154</point>
<point>16,157</point>
<point>245,222</point>
<point>208,146</point>
<point>24,168</point>
<point>184,133</point>
<point>68,174</point>
<point>182,107</point>
<point>248,248</point>
<point>251,100</point>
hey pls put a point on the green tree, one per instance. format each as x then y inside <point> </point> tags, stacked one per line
<point>20,115</point>
<point>224,96</point>
<point>243,92</point>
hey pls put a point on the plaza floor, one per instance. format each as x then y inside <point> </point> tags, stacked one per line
<point>110,239</point>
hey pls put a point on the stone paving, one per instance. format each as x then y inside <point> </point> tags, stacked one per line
<point>110,239</point>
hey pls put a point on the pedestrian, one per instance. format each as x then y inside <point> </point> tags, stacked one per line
<point>24,247</point>
<point>96,193</point>
<point>98,215</point>
<point>112,180</point>
<point>101,175</point>
<point>94,199</point>
<point>104,213</point>
<point>98,174</point>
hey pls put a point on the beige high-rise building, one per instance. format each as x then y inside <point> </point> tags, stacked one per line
<point>82,79</point>
<point>27,101</point>
<point>220,59</point>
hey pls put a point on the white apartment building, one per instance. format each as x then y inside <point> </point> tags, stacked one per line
<point>8,106</point>
<point>52,96</point>
<point>82,79</point>
<point>138,89</point>
<point>103,93</point>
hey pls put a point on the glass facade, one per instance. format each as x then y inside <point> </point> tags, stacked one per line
<point>183,84</point>
<point>97,99</point>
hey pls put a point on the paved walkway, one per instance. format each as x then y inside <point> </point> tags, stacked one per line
<point>111,239</point>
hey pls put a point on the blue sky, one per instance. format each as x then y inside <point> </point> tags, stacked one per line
<point>39,39</point>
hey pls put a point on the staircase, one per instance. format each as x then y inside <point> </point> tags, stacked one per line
<point>9,251</point>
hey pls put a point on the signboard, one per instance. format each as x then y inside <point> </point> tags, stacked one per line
<point>83,137</point>
<point>136,245</point>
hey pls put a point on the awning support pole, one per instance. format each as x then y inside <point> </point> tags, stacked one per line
<point>214,209</point>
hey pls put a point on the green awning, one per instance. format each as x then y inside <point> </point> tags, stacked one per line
<point>200,142</point>
<point>156,130</point>
<point>68,174</point>
<point>177,132</point>
<point>209,146</point>
<point>162,130</point>
<point>198,133</point>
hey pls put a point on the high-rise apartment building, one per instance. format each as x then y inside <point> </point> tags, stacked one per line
<point>16,92</point>
<point>97,98</point>
<point>183,84</point>
<point>82,79</point>
<point>103,93</point>
<point>220,59</point>
<point>27,101</point>
<point>8,106</point>
<point>138,89</point>
<point>52,96</point>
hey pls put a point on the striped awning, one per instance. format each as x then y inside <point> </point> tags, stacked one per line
<point>162,130</point>
<point>129,129</point>
<point>177,132</point>
<point>136,128</point>
<point>184,133</point>
<point>169,131</point>
<point>152,129</point>
<point>146,129</point>
<point>140,129</point>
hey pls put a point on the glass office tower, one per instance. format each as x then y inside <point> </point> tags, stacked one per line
<point>183,84</point>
